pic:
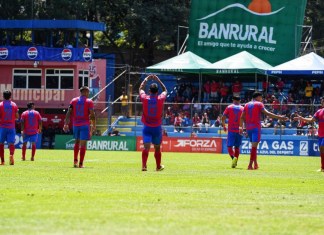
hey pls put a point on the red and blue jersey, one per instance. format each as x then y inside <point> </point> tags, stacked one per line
<point>31,120</point>
<point>152,109</point>
<point>81,107</point>
<point>233,113</point>
<point>253,110</point>
<point>8,111</point>
<point>319,116</point>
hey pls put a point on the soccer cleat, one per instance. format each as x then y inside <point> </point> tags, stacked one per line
<point>11,160</point>
<point>320,170</point>
<point>2,163</point>
<point>232,157</point>
<point>144,168</point>
<point>75,164</point>
<point>23,159</point>
<point>250,168</point>
<point>256,166</point>
<point>234,162</point>
<point>81,166</point>
<point>32,159</point>
<point>161,168</point>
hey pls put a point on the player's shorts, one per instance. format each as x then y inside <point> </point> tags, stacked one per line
<point>152,135</point>
<point>320,141</point>
<point>81,132</point>
<point>7,134</point>
<point>30,138</point>
<point>234,139</point>
<point>254,135</point>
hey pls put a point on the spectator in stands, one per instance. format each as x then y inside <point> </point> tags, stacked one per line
<point>293,123</point>
<point>168,116</point>
<point>124,104</point>
<point>279,85</point>
<point>177,123</point>
<point>207,90</point>
<point>164,132</point>
<point>275,105</point>
<point>214,89</point>
<point>265,85</point>
<point>224,90</point>
<point>98,133</point>
<point>193,135</point>
<point>186,106</point>
<point>187,93</point>
<point>237,88</point>
<point>205,122</point>
<point>196,123</point>
<point>301,126</point>
<point>267,122</point>
<point>197,107</point>
<point>281,125</point>
<point>317,95</point>
<point>114,132</point>
<point>218,121</point>
<point>309,92</point>
<point>185,121</point>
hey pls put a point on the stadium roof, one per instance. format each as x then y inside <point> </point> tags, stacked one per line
<point>52,24</point>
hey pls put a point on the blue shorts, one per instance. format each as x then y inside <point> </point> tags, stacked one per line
<point>152,135</point>
<point>234,139</point>
<point>7,134</point>
<point>81,132</point>
<point>320,141</point>
<point>254,135</point>
<point>30,138</point>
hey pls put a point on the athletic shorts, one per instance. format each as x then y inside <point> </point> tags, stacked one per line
<point>81,132</point>
<point>30,138</point>
<point>152,135</point>
<point>254,135</point>
<point>234,139</point>
<point>320,141</point>
<point>7,134</point>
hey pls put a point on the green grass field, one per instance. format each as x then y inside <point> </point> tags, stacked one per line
<point>196,194</point>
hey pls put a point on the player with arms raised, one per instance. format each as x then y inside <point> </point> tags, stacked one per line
<point>318,117</point>
<point>152,120</point>
<point>8,116</point>
<point>31,125</point>
<point>81,109</point>
<point>252,117</point>
<point>234,139</point>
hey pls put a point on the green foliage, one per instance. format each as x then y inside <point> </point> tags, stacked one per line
<point>196,194</point>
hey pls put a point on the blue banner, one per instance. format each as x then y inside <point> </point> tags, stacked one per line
<point>40,53</point>
<point>280,147</point>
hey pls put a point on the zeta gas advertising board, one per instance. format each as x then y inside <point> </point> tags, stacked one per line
<point>268,29</point>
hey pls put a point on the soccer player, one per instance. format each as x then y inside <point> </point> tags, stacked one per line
<point>8,116</point>
<point>31,125</point>
<point>318,117</point>
<point>152,119</point>
<point>252,117</point>
<point>84,123</point>
<point>233,112</point>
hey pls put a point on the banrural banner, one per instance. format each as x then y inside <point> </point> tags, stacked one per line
<point>269,29</point>
<point>107,143</point>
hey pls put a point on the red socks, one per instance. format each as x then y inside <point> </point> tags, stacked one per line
<point>2,152</point>
<point>145,154</point>
<point>12,149</point>
<point>82,154</point>
<point>23,149</point>
<point>230,151</point>
<point>253,155</point>
<point>322,160</point>
<point>157,156</point>
<point>76,152</point>
<point>236,152</point>
<point>33,150</point>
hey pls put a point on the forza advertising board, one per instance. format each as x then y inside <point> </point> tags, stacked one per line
<point>105,143</point>
<point>193,145</point>
<point>268,29</point>
<point>279,147</point>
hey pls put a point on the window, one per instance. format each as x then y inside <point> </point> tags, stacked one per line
<point>27,78</point>
<point>83,78</point>
<point>59,79</point>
